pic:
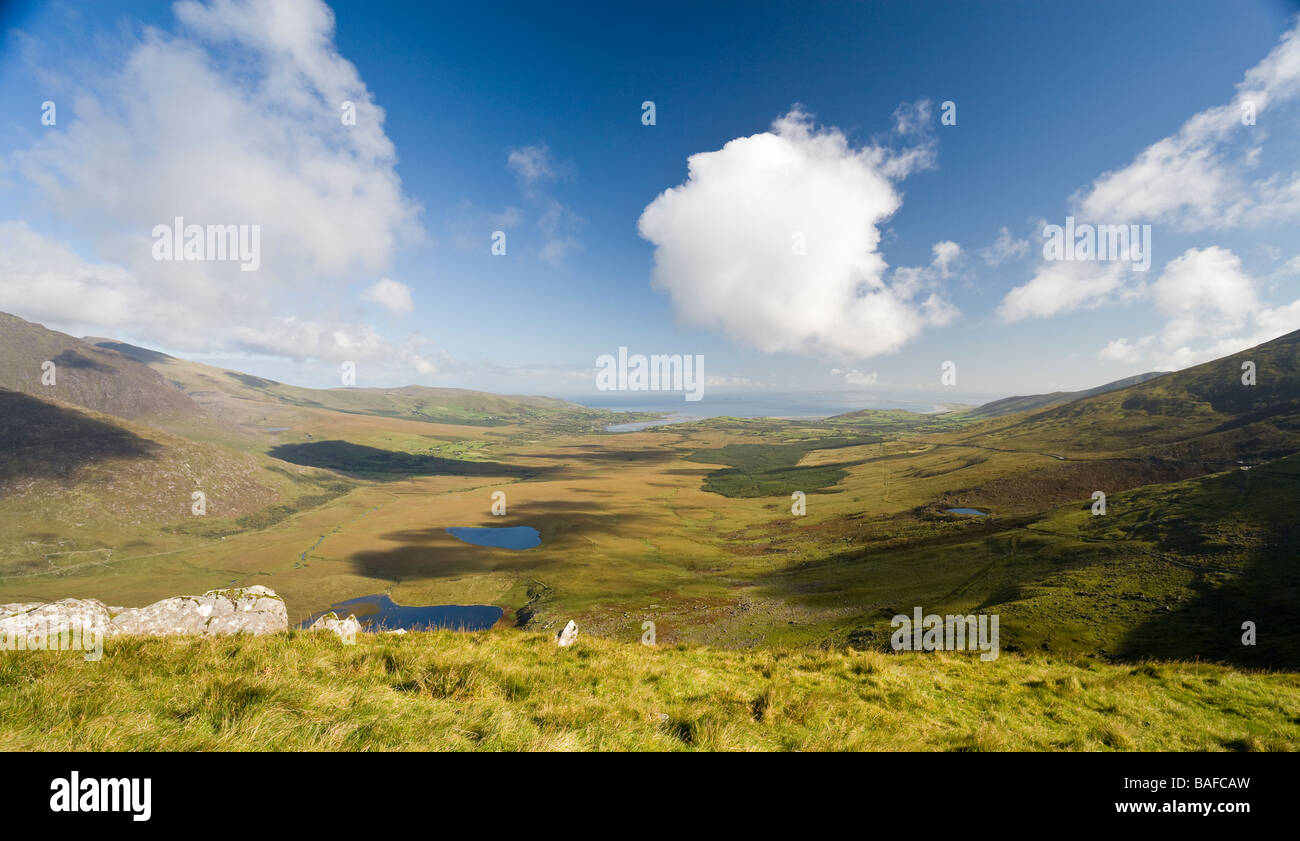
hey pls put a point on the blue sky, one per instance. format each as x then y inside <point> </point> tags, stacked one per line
<point>1050,99</point>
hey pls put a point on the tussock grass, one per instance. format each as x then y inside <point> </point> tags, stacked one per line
<point>506,690</point>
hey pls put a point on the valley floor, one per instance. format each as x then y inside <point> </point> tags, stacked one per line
<point>506,690</point>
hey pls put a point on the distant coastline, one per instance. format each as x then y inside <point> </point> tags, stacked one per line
<point>786,406</point>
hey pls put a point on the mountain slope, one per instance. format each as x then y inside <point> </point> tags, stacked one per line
<point>1204,401</point>
<point>96,378</point>
<point>110,455</point>
<point>1011,405</point>
<point>81,487</point>
<point>214,388</point>
<point>1170,571</point>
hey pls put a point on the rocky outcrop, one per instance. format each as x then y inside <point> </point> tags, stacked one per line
<point>238,610</point>
<point>568,635</point>
<point>345,629</point>
<point>35,621</point>
<point>7,610</point>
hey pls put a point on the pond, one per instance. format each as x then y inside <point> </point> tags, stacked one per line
<point>638,426</point>
<point>380,613</point>
<point>967,511</point>
<point>504,537</point>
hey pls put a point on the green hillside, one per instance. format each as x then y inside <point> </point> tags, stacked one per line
<point>1170,571</point>
<point>1028,403</point>
<point>1203,411</point>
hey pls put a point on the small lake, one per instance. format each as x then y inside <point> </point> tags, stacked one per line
<point>638,426</point>
<point>381,613</point>
<point>967,511</point>
<point>504,537</point>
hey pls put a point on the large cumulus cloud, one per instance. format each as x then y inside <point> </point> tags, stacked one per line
<point>774,239</point>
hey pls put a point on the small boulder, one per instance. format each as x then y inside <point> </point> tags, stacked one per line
<point>568,636</point>
<point>345,629</point>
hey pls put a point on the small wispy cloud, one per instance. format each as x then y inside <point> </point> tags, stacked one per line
<point>393,296</point>
<point>1005,247</point>
<point>533,165</point>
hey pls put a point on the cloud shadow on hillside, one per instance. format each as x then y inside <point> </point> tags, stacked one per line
<point>40,440</point>
<point>72,359</point>
<point>1210,626</point>
<point>431,553</point>
<point>653,455</point>
<point>360,461</point>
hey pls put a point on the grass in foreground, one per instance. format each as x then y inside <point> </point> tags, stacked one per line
<point>514,691</point>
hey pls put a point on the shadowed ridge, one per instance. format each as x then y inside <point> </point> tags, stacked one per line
<point>94,377</point>
<point>39,439</point>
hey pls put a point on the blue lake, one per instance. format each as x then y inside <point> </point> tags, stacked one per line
<point>505,537</point>
<point>381,613</point>
<point>967,511</point>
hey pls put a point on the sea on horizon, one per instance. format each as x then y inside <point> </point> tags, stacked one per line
<point>800,405</point>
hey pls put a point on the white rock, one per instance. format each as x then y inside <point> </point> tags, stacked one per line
<point>345,629</point>
<point>568,636</point>
<point>7,610</point>
<point>238,610</point>
<point>34,621</point>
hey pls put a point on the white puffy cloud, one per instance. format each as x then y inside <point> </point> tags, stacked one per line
<point>48,282</point>
<point>1204,292</point>
<point>858,378</point>
<point>1122,350</point>
<point>1211,308</point>
<point>910,282</point>
<point>334,341</point>
<point>774,240</point>
<point>946,255</point>
<point>391,295</point>
<point>912,125</point>
<point>234,118</point>
<point>1005,247</point>
<point>1066,285</point>
<point>1203,177</point>
<point>531,163</point>
<point>1199,178</point>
